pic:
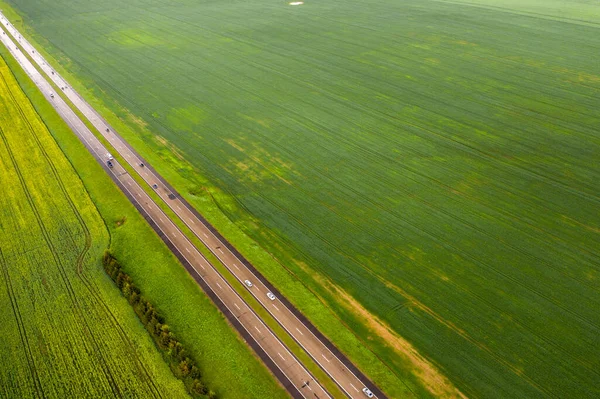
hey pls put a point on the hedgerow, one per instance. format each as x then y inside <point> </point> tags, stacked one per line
<point>182,365</point>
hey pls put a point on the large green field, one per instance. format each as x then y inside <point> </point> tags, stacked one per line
<point>66,331</point>
<point>430,170</point>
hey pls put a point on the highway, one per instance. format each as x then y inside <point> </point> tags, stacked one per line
<point>336,365</point>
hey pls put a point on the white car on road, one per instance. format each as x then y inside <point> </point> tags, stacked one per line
<point>248,283</point>
<point>271,296</point>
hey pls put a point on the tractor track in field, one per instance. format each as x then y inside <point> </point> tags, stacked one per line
<point>39,389</point>
<point>90,286</point>
<point>63,273</point>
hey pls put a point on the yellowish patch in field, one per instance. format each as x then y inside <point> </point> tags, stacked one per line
<point>433,380</point>
<point>165,143</point>
<point>261,165</point>
<point>465,43</point>
<point>135,120</point>
<point>296,3</point>
<point>186,119</point>
<point>133,37</point>
<point>421,46</point>
<point>262,122</point>
<point>242,166</point>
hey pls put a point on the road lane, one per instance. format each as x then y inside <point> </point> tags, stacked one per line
<point>293,371</point>
<point>338,367</point>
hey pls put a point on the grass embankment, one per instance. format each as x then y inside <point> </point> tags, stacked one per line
<point>65,331</point>
<point>227,365</point>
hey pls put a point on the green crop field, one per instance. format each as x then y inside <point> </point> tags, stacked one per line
<point>66,332</point>
<point>429,170</point>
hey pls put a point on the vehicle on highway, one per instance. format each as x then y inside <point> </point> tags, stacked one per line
<point>142,165</point>
<point>271,296</point>
<point>155,186</point>
<point>51,95</point>
<point>248,283</point>
<point>368,392</point>
<point>109,156</point>
<point>110,164</point>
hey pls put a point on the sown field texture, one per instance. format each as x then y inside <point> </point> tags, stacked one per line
<point>429,169</point>
<point>227,364</point>
<point>65,330</point>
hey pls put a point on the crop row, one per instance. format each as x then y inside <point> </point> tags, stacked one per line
<point>63,335</point>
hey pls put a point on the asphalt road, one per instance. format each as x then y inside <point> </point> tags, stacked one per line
<point>335,364</point>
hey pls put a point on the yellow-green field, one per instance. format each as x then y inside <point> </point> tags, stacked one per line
<point>66,332</point>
